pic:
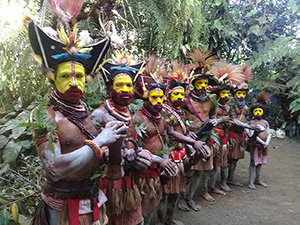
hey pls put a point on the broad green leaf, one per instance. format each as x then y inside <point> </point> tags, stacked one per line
<point>11,151</point>
<point>3,200</point>
<point>4,217</point>
<point>4,168</point>
<point>3,141</point>
<point>11,124</point>
<point>218,25</point>
<point>26,144</point>
<point>17,132</point>
<point>23,117</point>
<point>218,2</point>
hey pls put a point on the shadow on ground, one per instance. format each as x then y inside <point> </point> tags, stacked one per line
<point>279,204</point>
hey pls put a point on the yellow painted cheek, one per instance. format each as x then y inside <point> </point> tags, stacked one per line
<point>176,95</point>
<point>80,83</point>
<point>258,112</point>
<point>156,97</point>
<point>123,84</point>
<point>201,84</point>
<point>241,94</point>
<point>224,94</point>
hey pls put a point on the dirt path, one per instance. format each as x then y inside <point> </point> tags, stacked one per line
<point>277,204</point>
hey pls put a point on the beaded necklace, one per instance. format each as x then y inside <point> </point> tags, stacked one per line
<point>119,113</point>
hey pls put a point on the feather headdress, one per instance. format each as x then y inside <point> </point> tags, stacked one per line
<point>53,52</point>
<point>260,101</point>
<point>248,75</point>
<point>177,75</point>
<point>152,77</point>
<point>229,75</point>
<point>121,63</point>
<point>201,67</point>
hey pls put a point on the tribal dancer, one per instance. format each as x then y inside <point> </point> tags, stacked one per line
<point>237,135</point>
<point>259,146</point>
<point>177,130</point>
<point>150,88</point>
<point>198,106</point>
<point>73,152</point>
<point>228,75</point>
<point>124,199</point>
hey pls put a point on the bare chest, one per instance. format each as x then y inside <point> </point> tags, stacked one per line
<point>71,137</point>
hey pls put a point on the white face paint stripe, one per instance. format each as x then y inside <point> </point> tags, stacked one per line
<point>73,74</point>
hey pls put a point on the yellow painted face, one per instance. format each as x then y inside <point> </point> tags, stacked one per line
<point>123,84</point>
<point>156,96</point>
<point>258,112</point>
<point>224,94</point>
<point>240,94</point>
<point>177,94</point>
<point>70,74</point>
<point>201,84</point>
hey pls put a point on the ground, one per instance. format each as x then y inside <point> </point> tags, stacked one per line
<point>279,204</point>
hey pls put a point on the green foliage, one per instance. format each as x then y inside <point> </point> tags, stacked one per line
<point>271,52</point>
<point>136,105</point>
<point>141,131</point>
<point>95,93</point>
<point>21,186</point>
<point>41,123</point>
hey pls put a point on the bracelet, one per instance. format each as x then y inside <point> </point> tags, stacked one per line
<point>97,150</point>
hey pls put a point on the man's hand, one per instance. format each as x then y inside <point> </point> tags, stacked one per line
<point>202,153</point>
<point>169,167</point>
<point>113,131</point>
<point>213,122</point>
<point>139,160</point>
<point>223,119</point>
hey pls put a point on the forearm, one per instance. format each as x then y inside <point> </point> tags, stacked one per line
<point>61,165</point>
<point>181,138</point>
<point>156,159</point>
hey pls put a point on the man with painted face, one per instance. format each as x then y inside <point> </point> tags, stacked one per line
<point>259,146</point>
<point>198,106</point>
<point>124,200</point>
<point>177,129</point>
<point>69,195</point>
<point>228,75</point>
<point>237,135</point>
<point>150,88</point>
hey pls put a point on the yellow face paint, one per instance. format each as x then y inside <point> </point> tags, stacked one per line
<point>70,74</point>
<point>240,94</point>
<point>123,84</point>
<point>156,96</point>
<point>258,112</point>
<point>224,93</point>
<point>201,84</point>
<point>177,94</point>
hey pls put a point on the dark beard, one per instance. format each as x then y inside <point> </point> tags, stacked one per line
<point>150,108</point>
<point>239,102</point>
<point>176,104</point>
<point>73,94</point>
<point>200,95</point>
<point>119,99</point>
<point>223,100</point>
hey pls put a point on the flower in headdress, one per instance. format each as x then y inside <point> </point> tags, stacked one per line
<point>73,47</point>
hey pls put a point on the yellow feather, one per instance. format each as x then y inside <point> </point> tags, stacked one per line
<point>62,35</point>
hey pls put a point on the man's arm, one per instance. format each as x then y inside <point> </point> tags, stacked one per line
<point>60,165</point>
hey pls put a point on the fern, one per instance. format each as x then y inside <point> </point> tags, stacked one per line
<point>42,124</point>
<point>274,51</point>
